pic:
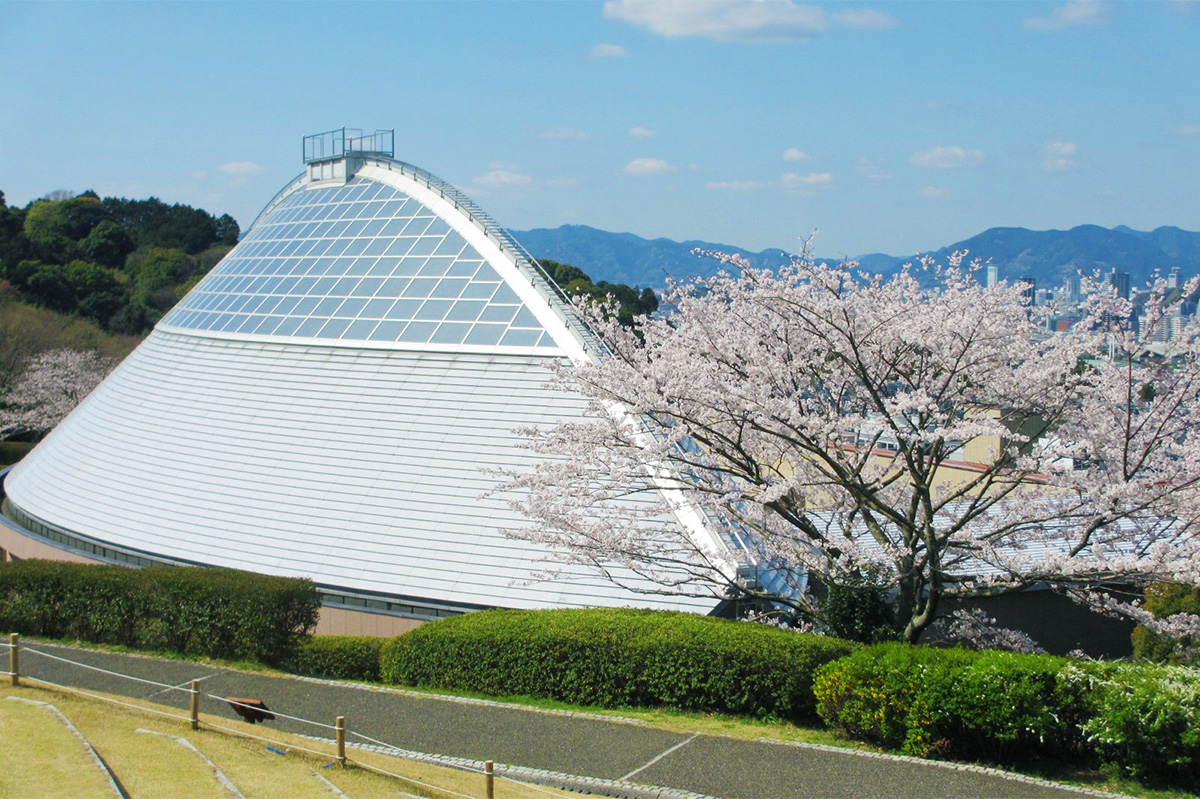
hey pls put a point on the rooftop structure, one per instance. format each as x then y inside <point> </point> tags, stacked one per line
<point>327,401</point>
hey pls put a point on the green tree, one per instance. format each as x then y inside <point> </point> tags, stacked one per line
<point>107,244</point>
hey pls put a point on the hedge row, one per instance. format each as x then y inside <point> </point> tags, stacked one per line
<point>351,658</point>
<point>617,657</point>
<point>1142,719</point>
<point>219,613</point>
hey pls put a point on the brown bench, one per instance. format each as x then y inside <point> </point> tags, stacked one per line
<point>250,710</point>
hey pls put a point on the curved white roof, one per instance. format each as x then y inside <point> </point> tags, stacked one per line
<point>324,401</point>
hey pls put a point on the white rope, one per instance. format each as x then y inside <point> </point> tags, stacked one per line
<point>105,671</point>
<point>236,732</point>
<point>269,711</point>
<point>105,699</point>
<point>406,779</point>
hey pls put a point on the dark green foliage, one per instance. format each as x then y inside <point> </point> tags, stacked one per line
<point>1147,724</point>
<point>147,251</point>
<point>354,658</point>
<point>992,705</point>
<point>632,302</point>
<point>1142,720</point>
<point>219,613</point>
<point>617,657</point>
<point>857,613</point>
<point>12,452</point>
<point>153,223</point>
<point>1163,600</point>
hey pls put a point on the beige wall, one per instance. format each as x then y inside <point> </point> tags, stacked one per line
<point>346,622</point>
<point>26,547</point>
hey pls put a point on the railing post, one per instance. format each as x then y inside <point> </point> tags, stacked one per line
<point>339,728</point>
<point>14,658</point>
<point>489,780</point>
<point>195,707</point>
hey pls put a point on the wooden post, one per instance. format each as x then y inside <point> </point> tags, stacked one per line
<point>14,658</point>
<point>195,705</point>
<point>339,728</point>
<point>489,780</point>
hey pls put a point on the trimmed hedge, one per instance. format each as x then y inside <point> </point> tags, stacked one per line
<point>618,657</point>
<point>992,705</point>
<point>351,658</point>
<point>219,613</point>
<point>1141,720</point>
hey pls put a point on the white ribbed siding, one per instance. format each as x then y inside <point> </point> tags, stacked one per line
<point>358,468</point>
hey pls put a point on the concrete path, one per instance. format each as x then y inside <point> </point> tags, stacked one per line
<point>578,745</point>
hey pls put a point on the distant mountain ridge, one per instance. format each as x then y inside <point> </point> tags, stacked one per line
<point>1049,257</point>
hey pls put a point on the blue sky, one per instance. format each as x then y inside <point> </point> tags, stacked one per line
<point>891,126</point>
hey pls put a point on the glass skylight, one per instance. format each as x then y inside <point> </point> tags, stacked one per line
<point>358,262</point>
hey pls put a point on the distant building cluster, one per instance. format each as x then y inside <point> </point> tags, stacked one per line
<point>1068,300</point>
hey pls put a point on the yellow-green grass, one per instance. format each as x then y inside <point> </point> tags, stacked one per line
<point>40,757</point>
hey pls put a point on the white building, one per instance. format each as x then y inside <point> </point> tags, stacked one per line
<point>323,404</point>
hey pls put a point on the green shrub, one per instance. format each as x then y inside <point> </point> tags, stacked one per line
<point>220,613</point>
<point>617,657</point>
<point>1162,600</point>
<point>998,706</point>
<point>353,658</point>
<point>1147,724</point>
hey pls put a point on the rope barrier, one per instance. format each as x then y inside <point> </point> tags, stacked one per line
<point>105,671</point>
<point>413,781</point>
<point>272,711</point>
<point>105,699</point>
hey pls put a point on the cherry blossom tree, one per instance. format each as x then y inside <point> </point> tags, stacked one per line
<point>51,385</point>
<point>926,439</point>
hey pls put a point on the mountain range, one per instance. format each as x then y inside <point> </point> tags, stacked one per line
<point>1048,257</point>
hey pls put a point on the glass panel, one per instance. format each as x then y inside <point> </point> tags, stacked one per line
<point>418,332</point>
<point>334,329</point>
<point>434,310</point>
<point>404,309</point>
<point>450,333</point>
<point>361,329</point>
<point>483,333</point>
<point>387,331</point>
<point>525,319</point>
<point>520,338</point>
<point>466,310</point>
<point>309,327</point>
<point>495,313</point>
<point>478,290</point>
<point>350,308</point>
<point>420,287</point>
<point>376,308</point>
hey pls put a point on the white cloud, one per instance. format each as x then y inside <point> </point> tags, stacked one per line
<point>934,193</point>
<point>648,166</point>
<point>200,175</point>
<point>563,133</point>
<point>811,179</point>
<point>1058,156</point>
<point>795,154</point>
<point>609,51</point>
<point>872,171</point>
<point>503,179</point>
<point>240,168</point>
<point>946,158</point>
<point>641,133</point>
<point>1069,15</point>
<point>748,21</point>
<point>1186,131</point>
<point>865,18</point>
<point>734,186</point>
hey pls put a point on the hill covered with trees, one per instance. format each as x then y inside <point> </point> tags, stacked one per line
<point>116,262</point>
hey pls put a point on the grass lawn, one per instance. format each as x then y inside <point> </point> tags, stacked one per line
<point>42,758</point>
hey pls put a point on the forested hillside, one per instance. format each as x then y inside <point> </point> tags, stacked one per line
<point>116,262</point>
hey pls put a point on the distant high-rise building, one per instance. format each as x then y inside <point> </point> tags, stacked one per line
<point>1173,278</point>
<point>993,275</point>
<point>1120,280</point>
<point>1030,291</point>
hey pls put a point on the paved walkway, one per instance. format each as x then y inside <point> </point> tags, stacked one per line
<point>578,745</point>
